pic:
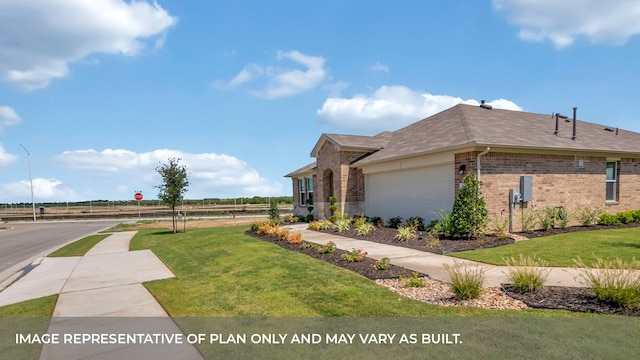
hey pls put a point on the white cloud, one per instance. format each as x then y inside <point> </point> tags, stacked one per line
<point>281,82</point>
<point>390,108</point>
<point>42,37</point>
<point>8,117</point>
<point>379,67</point>
<point>562,21</point>
<point>43,190</point>
<point>6,158</point>
<point>208,172</point>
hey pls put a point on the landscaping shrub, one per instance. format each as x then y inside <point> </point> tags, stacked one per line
<point>315,225</point>
<point>413,281</point>
<point>528,221</point>
<point>359,220</point>
<point>309,218</point>
<point>588,216</point>
<point>501,228</point>
<point>356,255</point>
<point>614,281</point>
<point>564,218</point>
<point>526,273</point>
<point>329,248</point>
<point>608,219</point>
<point>469,214</point>
<point>382,264</point>
<point>377,221</point>
<point>625,217</point>
<point>443,226</point>
<point>343,224</point>
<point>274,214</point>
<point>282,233</point>
<point>547,217</point>
<point>416,222</point>
<point>636,216</point>
<point>466,281</point>
<point>295,237</point>
<point>395,222</point>
<point>364,229</point>
<point>405,233</point>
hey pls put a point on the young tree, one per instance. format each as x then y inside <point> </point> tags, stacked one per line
<point>469,214</point>
<point>174,185</point>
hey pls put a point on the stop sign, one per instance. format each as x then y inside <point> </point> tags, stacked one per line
<point>138,196</point>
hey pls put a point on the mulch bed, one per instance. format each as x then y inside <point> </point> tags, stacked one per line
<point>364,267</point>
<point>550,297</point>
<point>556,231</point>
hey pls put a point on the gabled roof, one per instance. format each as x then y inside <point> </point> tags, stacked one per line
<point>466,125</point>
<point>303,170</point>
<point>353,142</point>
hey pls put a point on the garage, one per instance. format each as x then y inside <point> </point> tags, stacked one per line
<point>410,192</point>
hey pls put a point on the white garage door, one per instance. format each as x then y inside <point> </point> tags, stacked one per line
<point>416,192</point>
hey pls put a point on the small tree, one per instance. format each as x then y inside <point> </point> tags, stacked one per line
<point>469,215</point>
<point>174,185</point>
<point>274,213</point>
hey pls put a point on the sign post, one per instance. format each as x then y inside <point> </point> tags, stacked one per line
<point>138,197</point>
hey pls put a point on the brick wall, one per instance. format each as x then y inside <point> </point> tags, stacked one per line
<point>348,183</point>
<point>557,180</point>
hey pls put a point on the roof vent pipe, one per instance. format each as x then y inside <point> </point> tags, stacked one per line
<point>484,105</point>
<point>559,116</point>
<point>575,110</point>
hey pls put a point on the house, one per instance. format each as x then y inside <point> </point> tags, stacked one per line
<point>552,160</point>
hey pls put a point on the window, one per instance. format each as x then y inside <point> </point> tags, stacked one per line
<point>310,190</point>
<point>612,181</point>
<point>303,193</point>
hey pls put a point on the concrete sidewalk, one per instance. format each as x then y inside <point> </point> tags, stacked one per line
<point>426,262</point>
<point>105,283</point>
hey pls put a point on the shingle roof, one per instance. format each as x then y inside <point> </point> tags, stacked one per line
<point>303,170</point>
<point>466,125</point>
<point>365,143</point>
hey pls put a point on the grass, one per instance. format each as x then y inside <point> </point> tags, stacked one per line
<point>80,247</point>
<point>223,273</point>
<point>562,249</point>
<point>42,307</point>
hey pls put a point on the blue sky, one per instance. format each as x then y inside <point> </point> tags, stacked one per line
<point>101,93</point>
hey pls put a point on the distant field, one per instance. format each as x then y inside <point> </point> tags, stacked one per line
<point>131,210</point>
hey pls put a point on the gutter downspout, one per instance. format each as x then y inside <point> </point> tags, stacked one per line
<point>485,152</point>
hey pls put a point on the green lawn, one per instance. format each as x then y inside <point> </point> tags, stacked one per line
<point>222,272</point>
<point>560,250</point>
<point>80,247</point>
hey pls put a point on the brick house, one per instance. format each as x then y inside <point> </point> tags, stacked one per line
<point>416,170</point>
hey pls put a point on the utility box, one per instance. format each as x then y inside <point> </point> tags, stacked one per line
<point>526,188</point>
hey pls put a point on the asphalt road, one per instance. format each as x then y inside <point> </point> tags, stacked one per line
<point>22,242</point>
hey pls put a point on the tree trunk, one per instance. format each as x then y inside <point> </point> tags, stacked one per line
<point>173,219</point>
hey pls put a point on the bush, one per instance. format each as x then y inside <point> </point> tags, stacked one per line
<point>382,264</point>
<point>282,233</point>
<point>413,281</point>
<point>501,228</point>
<point>614,281</point>
<point>416,222</point>
<point>625,217</point>
<point>329,248</point>
<point>636,216</point>
<point>274,213</point>
<point>343,224</point>
<point>395,222</point>
<point>444,225</point>
<point>309,218</point>
<point>564,218</point>
<point>588,216</point>
<point>526,273</point>
<point>528,221</point>
<point>405,233</point>
<point>356,255</point>
<point>295,237</point>
<point>377,221</point>
<point>608,219</point>
<point>359,220</point>
<point>466,281</point>
<point>364,229</point>
<point>547,217</point>
<point>469,214</point>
